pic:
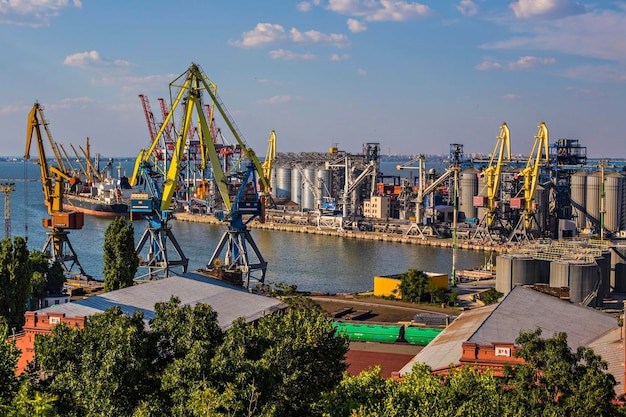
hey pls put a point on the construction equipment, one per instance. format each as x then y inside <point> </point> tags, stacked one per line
<point>268,162</point>
<point>492,173</point>
<point>538,156</point>
<point>54,181</point>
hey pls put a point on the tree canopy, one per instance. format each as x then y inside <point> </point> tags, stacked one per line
<point>15,277</point>
<point>120,258</point>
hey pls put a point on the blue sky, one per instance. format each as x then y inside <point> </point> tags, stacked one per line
<point>413,76</point>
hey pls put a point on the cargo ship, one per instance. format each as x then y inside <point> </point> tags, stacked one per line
<point>102,199</point>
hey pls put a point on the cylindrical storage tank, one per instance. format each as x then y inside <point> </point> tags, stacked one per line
<point>296,187</point>
<point>578,191</point>
<point>282,189</point>
<point>482,191</point>
<point>581,277</point>
<point>618,268</point>
<point>593,201</point>
<point>468,188</point>
<point>613,201</point>
<point>543,271</point>
<point>604,262</point>
<point>308,199</point>
<point>540,206</point>
<point>515,269</point>
<point>324,174</point>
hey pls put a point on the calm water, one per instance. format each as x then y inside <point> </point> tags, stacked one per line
<point>312,262</point>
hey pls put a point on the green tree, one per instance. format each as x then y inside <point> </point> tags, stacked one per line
<point>15,277</point>
<point>553,380</point>
<point>102,370</point>
<point>47,278</point>
<point>120,258</point>
<point>491,296</point>
<point>413,285</point>
<point>9,354</point>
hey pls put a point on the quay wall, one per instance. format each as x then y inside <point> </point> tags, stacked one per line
<point>351,234</point>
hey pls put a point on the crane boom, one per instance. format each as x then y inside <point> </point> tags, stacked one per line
<point>538,155</point>
<point>493,171</point>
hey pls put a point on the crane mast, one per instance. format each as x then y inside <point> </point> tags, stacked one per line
<point>492,174</point>
<point>53,179</point>
<point>537,157</point>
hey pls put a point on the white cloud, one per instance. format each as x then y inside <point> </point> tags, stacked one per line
<point>337,57</point>
<point>67,103</point>
<point>267,34</point>
<point>488,66</point>
<point>16,108</point>
<point>92,59</point>
<point>277,100</point>
<point>380,10</point>
<point>527,62</point>
<point>511,97</point>
<point>597,35</point>
<point>361,71</point>
<point>525,9</point>
<point>356,26</point>
<point>291,56</point>
<point>33,12</point>
<point>262,34</point>
<point>467,7</point>
<point>304,6</point>
<point>313,36</point>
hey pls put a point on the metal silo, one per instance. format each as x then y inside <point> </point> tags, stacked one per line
<point>468,184</point>
<point>604,262</point>
<point>613,201</point>
<point>515,269</point>
<point>296,187</point>
<point>324,174</point>
<point>581,277</point>
<point>482,191</point>
<point>504,274</point>
<point>592,201</point>
<point>618,268</point>
<point>578,188</point>
<point>283,183</point>
<point>308,199</point>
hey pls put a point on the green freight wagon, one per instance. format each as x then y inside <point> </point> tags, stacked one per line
<point>370,332</point>
<point>420,335</point>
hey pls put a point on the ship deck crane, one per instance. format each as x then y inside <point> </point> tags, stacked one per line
<point>491,222</point>
<point>53,180</point>
<point>538,156</point>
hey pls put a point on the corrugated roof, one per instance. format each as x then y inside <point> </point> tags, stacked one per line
<point>445,349</point>
<point>229,302</point>
<point>522,309</point>
<point>611,348</point>
<point>526,309</point>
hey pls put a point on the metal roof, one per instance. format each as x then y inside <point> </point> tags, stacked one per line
<point>521,309</point>
<point>228,301</point>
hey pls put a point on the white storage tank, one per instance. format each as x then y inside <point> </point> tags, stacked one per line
<point>613,201</point>
<point>592,201</point>
<point>578,191</point>
<point>324,174</point>
<point>516,269</point>
<point>468,184</point>
<point>282,189</point>
<point>308,199</point>
<point>296,187</point>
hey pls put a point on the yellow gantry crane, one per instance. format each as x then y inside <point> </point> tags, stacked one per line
<point>267,165</point>
<point>538,156</point>
<point>492,173</point>
<point>53,180</point>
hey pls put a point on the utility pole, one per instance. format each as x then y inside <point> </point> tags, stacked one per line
<point>7,189</point>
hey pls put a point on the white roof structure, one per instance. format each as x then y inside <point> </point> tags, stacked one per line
<point>228,301</point>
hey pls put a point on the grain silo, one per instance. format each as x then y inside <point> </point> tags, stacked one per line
<point>592,201</point>
<point>481,209</point>
<point>613,201</point>
<point>468,184</point>
<point>578,188</point>
<point>604,263</point>
<point>515,269</point>
<point>324,174</point>
<point>308,199</point>
<point>282,188</point>
<point>581,277</point>
<point>296,187</point>
<point>618,268</point>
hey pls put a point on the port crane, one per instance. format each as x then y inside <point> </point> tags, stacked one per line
<point>54,179</point>
<point>491,221</point>
<point>538,156</point>
<point>268,165</point>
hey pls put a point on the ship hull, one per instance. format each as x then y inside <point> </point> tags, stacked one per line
<point>95,207</point>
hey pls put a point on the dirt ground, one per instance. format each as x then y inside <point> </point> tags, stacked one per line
<point>380,310</point>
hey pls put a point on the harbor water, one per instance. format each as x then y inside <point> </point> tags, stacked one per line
<point>311,262</point>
